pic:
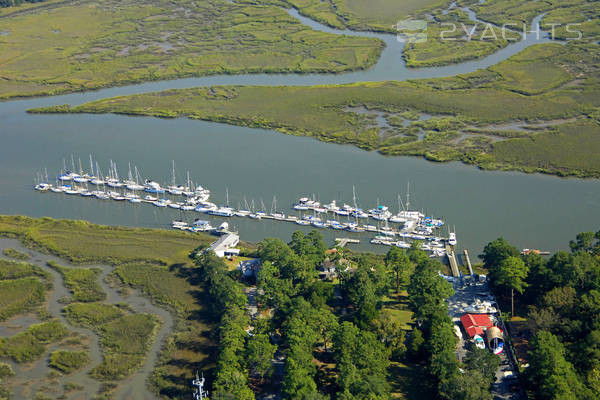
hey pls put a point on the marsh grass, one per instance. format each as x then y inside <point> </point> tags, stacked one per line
<point>31,344</point>
<point>544,82</point>
<point>82,282</point>
<point>68,361</point>
<point>16,254</point>
<point>73,46</point>
<point>125,338</point>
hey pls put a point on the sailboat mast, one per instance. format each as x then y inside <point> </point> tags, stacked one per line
<point>408,196</point>
<point>173,179</point>
<point>91,166</point>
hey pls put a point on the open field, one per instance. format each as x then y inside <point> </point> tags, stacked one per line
<point>81,44</point>
<point>546,82</point>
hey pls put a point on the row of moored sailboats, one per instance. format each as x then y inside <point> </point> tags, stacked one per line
<point>398,229</point>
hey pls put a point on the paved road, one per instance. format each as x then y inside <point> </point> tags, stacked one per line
<point>464,296</point>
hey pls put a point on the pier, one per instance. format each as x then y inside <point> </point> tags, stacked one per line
<point>400,229</point>
<point>452,259</point>
<point>342,242</point>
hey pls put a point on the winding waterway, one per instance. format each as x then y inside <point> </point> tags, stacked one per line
<point>529,210</point>
<point>32,375</point>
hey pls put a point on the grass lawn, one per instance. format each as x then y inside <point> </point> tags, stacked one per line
<point>397,304</point>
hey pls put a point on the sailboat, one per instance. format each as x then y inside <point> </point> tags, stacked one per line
<point>276,215</point>
<point>133,183</point>
<point>175,189</point>
<point>113,180</point>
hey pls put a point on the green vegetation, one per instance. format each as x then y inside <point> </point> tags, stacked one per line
<point>125,338</point>
<point>83,283</point>
<point>20,295</point>
<point>16,254</point>
<point>6,371</point>
<point>31,344</point>
<point>72,46</point>
<point>15,270</point>
<point>561,304</point>
<point>83,242</point>
<point>68,361</point>
<point>156,261</point>
<point>11,3</point>
<point>467,110</point>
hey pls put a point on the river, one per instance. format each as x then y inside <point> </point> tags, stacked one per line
<point>533,211</point>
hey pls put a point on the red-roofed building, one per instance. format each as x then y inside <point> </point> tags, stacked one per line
<point>476,324</point>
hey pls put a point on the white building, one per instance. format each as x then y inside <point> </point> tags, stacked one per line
<point>225,246</point>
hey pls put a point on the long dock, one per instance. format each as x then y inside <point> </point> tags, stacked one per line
<point>452,259</point>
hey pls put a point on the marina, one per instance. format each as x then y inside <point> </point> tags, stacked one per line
<point>400,229</point>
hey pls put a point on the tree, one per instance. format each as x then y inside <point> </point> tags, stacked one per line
<point>550,374</point>
<point>510,273</point>
<point>586,241</point>
<point>259,353</point>
<point>483,361</point>
<point>415,344</point>
<point>389,332</point>
<point>361,292</point>
<point>362,361</point>
<point>427,291</point>
<point>398,262</point>
<point>496,251</point>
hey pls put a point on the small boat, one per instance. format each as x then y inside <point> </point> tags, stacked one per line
<point>479,342</point>
<point>43,187</point>
<point>176,206</point>
<point>153,187</point>
<point>452,239</point>
<point>101,196</point>
<point>201,226</point>
<point>159,203</point>
<point>302,222</point>
<point>222,212</point>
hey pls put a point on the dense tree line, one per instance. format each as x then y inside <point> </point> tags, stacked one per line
<point>361,341</point>
<point>560,297</point>
<point>226,303</point>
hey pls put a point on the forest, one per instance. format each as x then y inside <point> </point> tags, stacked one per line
<point>334,338</point>
<point>559,301</point>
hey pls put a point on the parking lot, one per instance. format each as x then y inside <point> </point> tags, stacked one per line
<point>468,292</point>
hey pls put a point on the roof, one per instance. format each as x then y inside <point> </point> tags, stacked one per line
<point>475,324</point>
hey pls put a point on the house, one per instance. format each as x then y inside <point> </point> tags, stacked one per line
<point>476,324</point>
<point>225,245</point>
<point>250,268</point>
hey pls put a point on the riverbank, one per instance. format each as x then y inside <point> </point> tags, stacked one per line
<point>449,119</point>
